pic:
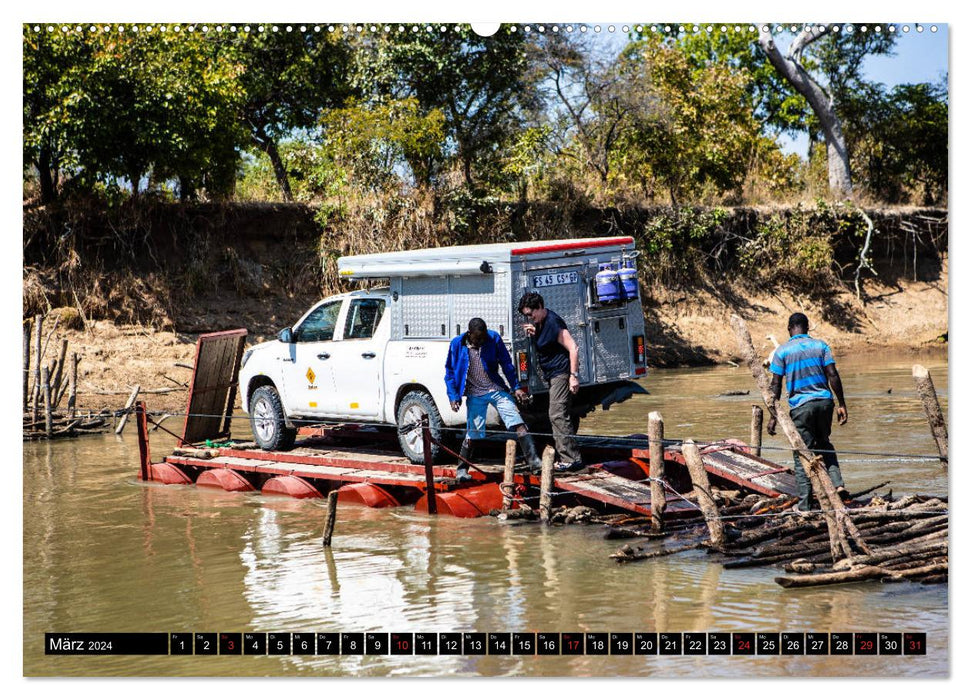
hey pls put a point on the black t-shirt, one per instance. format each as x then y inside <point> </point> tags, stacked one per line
<point>554,359</point>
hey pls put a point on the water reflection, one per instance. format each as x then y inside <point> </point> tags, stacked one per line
<point>103,551</point>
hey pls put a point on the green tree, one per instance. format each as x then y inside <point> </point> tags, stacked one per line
<point>703,135</point>
<point>479,84</point>
<point>836,55</point>
<point>899,141</point>
<point>287,78</point>
<point>54,65</point>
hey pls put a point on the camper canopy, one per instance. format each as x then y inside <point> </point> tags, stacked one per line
<point>463,260</point>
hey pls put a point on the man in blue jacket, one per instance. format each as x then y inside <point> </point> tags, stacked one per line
<point>472,370</point>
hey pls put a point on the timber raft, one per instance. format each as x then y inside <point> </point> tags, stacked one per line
<point>720,497</point>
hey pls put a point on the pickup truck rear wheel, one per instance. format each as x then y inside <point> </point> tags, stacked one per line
<point>267,421</point>
<point>413,405</point>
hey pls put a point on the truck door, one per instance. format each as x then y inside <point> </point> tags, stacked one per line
<point>563,290</point>
<point>308,382</point>
<point>358,359</point>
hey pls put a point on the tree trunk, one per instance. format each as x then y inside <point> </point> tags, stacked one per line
<point>791,69</point>
<point>48,190</point>
<point>268,146</point>
<point>932,407</point>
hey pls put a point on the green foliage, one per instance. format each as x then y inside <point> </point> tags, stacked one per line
<point>370,141</point>
<point>703,135</point>
<point>458,122</point>
<point>480,86</point>
<point>774,105</point>
<point>899,141</point>
<point>796,247</point>
<point>673,243</point>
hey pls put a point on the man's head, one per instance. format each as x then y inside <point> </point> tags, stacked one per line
<point>798,324</point>
<point>531,306</point>
<point>478,333</point>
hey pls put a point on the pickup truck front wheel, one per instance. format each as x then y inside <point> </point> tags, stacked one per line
<point>413,406</point>
<point>267,421</point>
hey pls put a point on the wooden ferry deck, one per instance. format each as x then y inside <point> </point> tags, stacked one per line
<point>365,466</point>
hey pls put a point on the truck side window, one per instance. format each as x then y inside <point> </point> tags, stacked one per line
<point>320,324</point>
<point>363,318</point>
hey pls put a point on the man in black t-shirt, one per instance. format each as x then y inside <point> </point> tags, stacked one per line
<point>558,358</point>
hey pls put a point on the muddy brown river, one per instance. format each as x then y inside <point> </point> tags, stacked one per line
<point>103,552</point>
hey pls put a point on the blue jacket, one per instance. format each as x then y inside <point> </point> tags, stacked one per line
<point>493,353</point>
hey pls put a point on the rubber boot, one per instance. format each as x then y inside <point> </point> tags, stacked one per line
<point>533,462</point>
<point>462,471</point>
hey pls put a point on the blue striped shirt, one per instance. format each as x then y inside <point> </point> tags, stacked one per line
<point>801,362</point>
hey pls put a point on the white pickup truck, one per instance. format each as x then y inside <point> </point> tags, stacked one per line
<point>377,356</point>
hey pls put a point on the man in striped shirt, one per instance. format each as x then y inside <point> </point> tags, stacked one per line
<point>811,381</point>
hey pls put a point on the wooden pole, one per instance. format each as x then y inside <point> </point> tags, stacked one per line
<point>128,405</point>
<point>509,469</point>
<point>655,436</point>
<point>26,364</point>
<point>932,407</point>
<point>331,517</point>
<point>48,418</point>
<point>702,487</point>
<point>426,443</point>
<point>72,396</point>
<point>144,454</point>
<point>838,524</point>
<point>755,439</point>
<point>38,331</point>
<point>546,485</point>
<point>56,382</point>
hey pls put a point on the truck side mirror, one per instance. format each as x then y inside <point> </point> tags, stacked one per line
<point>285,336</point>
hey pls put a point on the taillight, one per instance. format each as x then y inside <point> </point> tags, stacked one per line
<point>522,361</point>
<point>640,354</point>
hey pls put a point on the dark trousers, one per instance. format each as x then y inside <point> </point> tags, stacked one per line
<point>814,421</point>
<point>560,402</point>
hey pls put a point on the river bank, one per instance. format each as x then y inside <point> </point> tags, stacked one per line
<point>136,285</point>
<point>684,329</point>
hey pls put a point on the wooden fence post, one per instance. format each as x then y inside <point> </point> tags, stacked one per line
<point>702,487</point>
<point>38,341</point>
<point>128,405</point>
<point>546,485</point>
<point>72,396</point>
<point>426,443</point>
<point>26,364</point>
<point>932,407</point>
<point>331,517</point>
<point>755,439</point>
<point>655,436</point>
<point>508,472</point>
<point>48,418</point>
<point>144,453</point>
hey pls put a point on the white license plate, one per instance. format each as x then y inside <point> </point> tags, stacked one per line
<point>554,279</point>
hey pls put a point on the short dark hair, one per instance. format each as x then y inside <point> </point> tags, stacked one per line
<point>477,325</point>
<point>531,300</point>
<point>798,320</point>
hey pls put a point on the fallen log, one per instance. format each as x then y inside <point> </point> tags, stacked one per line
<point>862,573</point>
<point>628,553</point>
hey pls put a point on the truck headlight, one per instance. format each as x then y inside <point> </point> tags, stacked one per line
<point>246,356</point>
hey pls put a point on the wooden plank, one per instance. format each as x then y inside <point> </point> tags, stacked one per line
<point>214,377</point>
<point>618,491</point>
<point>315,472</point>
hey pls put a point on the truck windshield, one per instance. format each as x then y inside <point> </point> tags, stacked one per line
<point>319,324</point>
<point>363,318</point>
